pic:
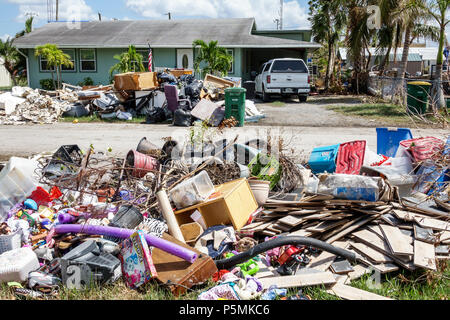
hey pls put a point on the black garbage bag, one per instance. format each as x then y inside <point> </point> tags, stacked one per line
<point>193,90</point>
<point>187,78</point>
<point>155,115</point>
<point>76,111</point>
<point>166,78</point>
<point>182,118</point>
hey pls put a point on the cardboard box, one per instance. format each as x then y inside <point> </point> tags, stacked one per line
<point>179,72</point>
<point>136,81</point>
<point>232,203</point>
<point>137,263</point>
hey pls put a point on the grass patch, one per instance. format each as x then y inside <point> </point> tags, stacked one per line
<point>5,88</point>
<point>386,113</point>
<point>278,104</point>
<point>97,119</point>
<point>400,285</point>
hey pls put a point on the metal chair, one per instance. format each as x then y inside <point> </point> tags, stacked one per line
<point>173,102</point>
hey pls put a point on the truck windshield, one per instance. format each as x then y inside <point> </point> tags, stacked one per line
<point>289,66</point>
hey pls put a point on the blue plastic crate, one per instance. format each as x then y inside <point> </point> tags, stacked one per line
<point>388,140</point>
<point>324,159</point>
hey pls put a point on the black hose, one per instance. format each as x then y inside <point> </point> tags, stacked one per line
<point>283,241</point>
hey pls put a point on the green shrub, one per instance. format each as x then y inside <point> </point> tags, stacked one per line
<point>86,82</point>
<point>47,84</point>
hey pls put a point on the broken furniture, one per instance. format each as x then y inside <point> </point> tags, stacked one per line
<point>173,101</point>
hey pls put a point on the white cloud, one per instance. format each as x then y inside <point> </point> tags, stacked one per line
<point>5,37</point>
<point>68,10</point>
<point>264,11</point>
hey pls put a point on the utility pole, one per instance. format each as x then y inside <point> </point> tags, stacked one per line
<point>99,16</point>
<point>57,9</point>
<point>169,14</point>
<point>277,21</point>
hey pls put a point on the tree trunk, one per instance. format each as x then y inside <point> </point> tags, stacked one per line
<point>403,65</point>
<point>437,90</point>
<point>327,75</point>
<point>53,79</point>
<point>385,59</point>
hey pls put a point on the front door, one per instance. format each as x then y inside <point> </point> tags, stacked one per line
<point>185,59</point>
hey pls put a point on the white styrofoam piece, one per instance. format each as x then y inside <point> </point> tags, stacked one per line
<point>15,265</point>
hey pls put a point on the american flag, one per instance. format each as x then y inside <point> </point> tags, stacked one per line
<point>150,59</point>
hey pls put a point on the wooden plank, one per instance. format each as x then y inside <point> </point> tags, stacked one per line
<point>374,255</point>
<point>424,255</point>
<point>384,268</point>
<point>324,260</point>
<point>424,234</point>
<point>251,226</point>
<point>358,271</point>
<point>434,224</point>
<point>291,221</point>
<point>350,293</point>
<point>301,233</point>
<point>444,236</point>
<point>299,280</point>
<point>326,225</point>
<point>353,227</point>
<point>397,241</point>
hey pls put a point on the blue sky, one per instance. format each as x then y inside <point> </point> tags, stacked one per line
<point>14,12</point>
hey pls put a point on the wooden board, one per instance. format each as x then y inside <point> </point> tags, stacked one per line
<point>291,221</point>
<point>397,241</point>
<point>384,268</point>
<point>424,234</point>
<point>172,269</point>
<point>374,255</point>
<point>326,225</point>
<point>358,271</point>
<point>424,255</point>
<point>434,224</point>
<point>350,293</point>
<point>324,260</point>
<point>299,280</point>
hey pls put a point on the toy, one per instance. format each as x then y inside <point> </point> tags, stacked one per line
<point>137,262</point>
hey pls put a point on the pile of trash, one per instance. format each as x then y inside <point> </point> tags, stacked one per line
<point>254,222</point>
<point>171,96</point>
<point>23,105</point>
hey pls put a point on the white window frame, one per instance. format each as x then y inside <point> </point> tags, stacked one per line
<point>44,70</point>
<point>74,59</point>
<point>81,61</point>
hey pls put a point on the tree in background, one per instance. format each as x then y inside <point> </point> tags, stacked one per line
<point>328,20</point>
<point>218,60</point>
<point>437,10</point>
<point>130,61</point>
<point>56,58</point>
<point>10,58</point>
<point>28,28</point>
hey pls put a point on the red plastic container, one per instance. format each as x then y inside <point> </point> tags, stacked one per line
<point>351,157</point>
<point>141,163</point>
<point>423,148</point>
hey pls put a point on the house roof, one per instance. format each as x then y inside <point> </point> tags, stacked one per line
<point>158,33</point>
<point>425,53</point>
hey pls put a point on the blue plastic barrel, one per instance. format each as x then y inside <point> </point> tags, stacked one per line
<point>324,159</point>
<point>388,140</point>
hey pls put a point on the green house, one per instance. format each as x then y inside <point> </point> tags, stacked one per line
<point>92,45</point>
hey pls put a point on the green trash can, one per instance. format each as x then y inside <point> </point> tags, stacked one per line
<point>235,104</point>
<point>418,93</point>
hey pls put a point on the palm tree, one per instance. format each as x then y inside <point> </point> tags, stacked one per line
<point>56,58</point>
<point>129,61</point>
<point>28,28</point>
<point>218,60</point>
<point>437,10</point>
<point>10,58</point>
<point>328,20</point>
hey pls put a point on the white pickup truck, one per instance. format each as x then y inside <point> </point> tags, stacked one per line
<point>285,77</point>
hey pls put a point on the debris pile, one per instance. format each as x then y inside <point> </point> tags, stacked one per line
<point>254,222</point>
<point>173,95</point>
<point>24,105</point>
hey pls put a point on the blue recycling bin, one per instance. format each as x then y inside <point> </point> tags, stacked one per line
<point>388,140</point>
<point>323,159</point>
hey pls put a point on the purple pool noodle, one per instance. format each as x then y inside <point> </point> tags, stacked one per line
<point>153,241</point>
<point>66,218</point>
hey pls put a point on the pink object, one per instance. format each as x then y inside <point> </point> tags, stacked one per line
<point>350,157</point>
<point>141,163</point>
<point>137,262</point>
<point>423,148</point>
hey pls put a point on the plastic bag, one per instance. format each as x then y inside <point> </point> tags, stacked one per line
<point>182,118</point>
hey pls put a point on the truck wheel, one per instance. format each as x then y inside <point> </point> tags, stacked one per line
<point>302,98</point>
<point>265,96</point>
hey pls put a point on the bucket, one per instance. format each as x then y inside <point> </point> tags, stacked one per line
<point>141,163</point>
<point>146,147</point>
<point>128,217</point>
<point>260,189</point>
